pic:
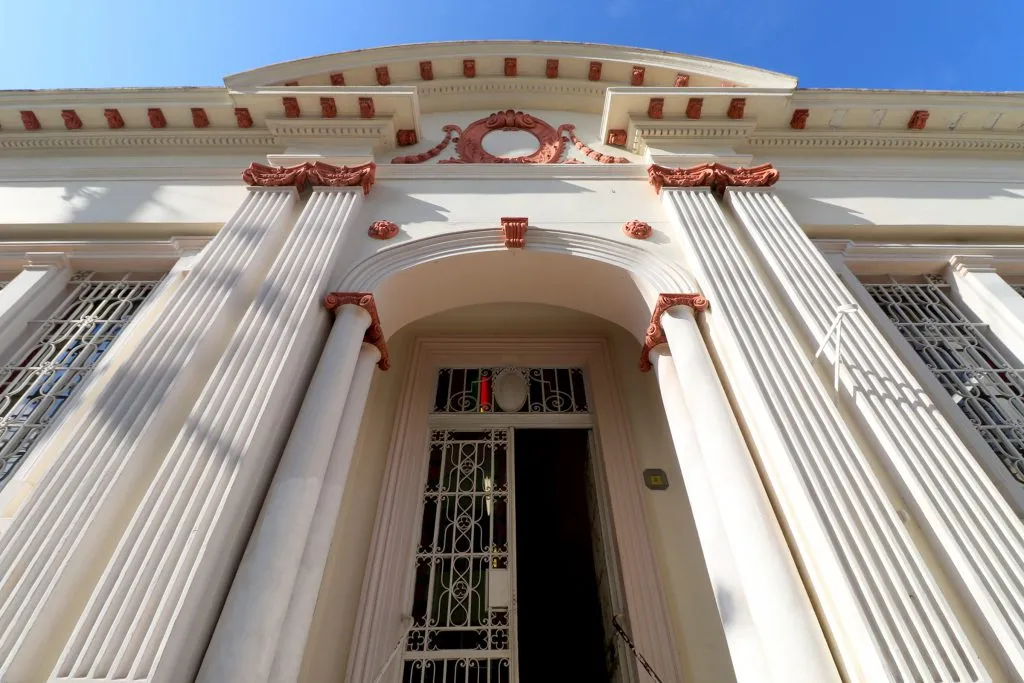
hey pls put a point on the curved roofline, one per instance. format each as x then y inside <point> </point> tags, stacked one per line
<point>747,75</point>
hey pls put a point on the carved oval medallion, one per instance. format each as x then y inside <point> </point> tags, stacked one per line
<point>510,390</point>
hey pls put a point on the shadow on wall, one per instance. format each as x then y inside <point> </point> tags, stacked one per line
<point>112,202</point>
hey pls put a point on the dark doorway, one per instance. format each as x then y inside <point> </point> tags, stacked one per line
<point>561,635</point>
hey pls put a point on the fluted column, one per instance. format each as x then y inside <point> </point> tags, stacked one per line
<point>104,458</point>
<point>971,527</point>
<point>263,629</point>
<point>884,612</point>
<point>26,296</point>
<point>765,613</point>
<point>150,616</point>
<point>991,298</point>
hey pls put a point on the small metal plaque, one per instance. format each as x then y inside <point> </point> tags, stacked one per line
<point>656,480</point>
<point>499,586</point>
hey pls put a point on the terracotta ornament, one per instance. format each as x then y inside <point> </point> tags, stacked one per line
<point>469,68</point>
<point>693,107</point>
<point>374,334</point>
<point>426,71</point>
<point>338,78</point>
<point>71,119</point>
<point>587,151</point>
<point>405,137</point>
<point>638,76</point>
<point>799,120</point>
<point>114,118</point>
<point>382,230</point>
<point>617,137</point>
<point>714,175</point>
<point>366,108</point>
<point>637,229</point>
<point>157,118</point>
<point>328,107</point>
<point>655,332</point>
<point>383,76</point>
<point>314,173</point>
<point>243,117</point>
<point>199,118</point>
<point>514,231</point>
<point>511,66</point>
<point>30,120</point>
<point>291,107</point>
<point>682,80</point>
<point>595,71</point>
<point>551,69</point>
<point>918,120</point>
<point>449,130</point>
<point>736,107</point>
<point>656,108</point>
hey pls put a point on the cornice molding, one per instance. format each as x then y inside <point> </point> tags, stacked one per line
<point>512,171</point>
<point>381,129</point>
<point>872,258</point>
<point>874,140</point>
<point>104,255</point>
<point>121,138</point>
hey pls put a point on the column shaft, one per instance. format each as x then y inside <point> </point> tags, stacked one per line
<point>152,612</point>
<point>251,626</point>
<point>767,617</point>
<point>58,544</point>
<point>971,526</point>
<point>885,613</point>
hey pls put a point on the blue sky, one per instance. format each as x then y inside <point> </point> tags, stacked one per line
<point>927,44</point>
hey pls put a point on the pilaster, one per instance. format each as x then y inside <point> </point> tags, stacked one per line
<point>150,616</point>
<point>991,298</point>
<point>765,613</point>
<point>883,612</point>
<point>26,296</point>
<point>103,460</point>
<point>971,527</point>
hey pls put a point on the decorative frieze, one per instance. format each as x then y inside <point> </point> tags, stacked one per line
<point>655,332</point>
<point>714,175</point>
<point>314,173</point>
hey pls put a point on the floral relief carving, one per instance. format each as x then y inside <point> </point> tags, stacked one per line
<point>338,79</point>
<point>617,136</point>
<point>427,71</point>
<point>655,332</point>
<point>918,120</point>
<point>157,118</point>
<point>799,119</point>
<point>682,80</point>
<point>514,231</point>
<point>595,71</point>
<point>291,107</point>
<point>316,173</point>
<point>551,68</point>
<point>656,108</point>
<point>382,230</point>
<point>638,76</point>
<point>374,333</point>
<point>72,121</point>
<point>405,137</point>
<point>511,66</point>
<point>637,229</point>
<point>736,108</point>
<point>383,76</point>
<point>30,120</point>
<point>469,68</point>
<point>199,118</point>
<point>714,175</point>
<point>366,108</point>
<point>693,107</point>
<point>114,118</point>
<point>328,107</point>
<point>243,117</point>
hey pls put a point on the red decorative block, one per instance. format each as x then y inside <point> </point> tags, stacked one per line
<point>382,230</point>
<point>383,77</point>
<point>71,119</point>
<point>290,84</point>
<point>595,71</point>
<point>693,107</point>
<point>427,71</point>
<point>157,118</point>
<point>291,107</point>
<point>637,229</point>
<point>366,108</point>
<point>514,230</point>
<point>114,118</point>
<point>243,117</point>
<point>638,76</point>
<point>328,107</point>
<point>655,108</point>
<point>617,137</point>
<point>511,66</point>
<point>799,119</point>
<point>736,107</point>
<point>682,80</point>
<point>338,78</point>
<point>406,137</point>
<point>30,120</point>
<point>469,68</point>
<point>199,118</point>
<point>551,70</point>
<point>918,120</point>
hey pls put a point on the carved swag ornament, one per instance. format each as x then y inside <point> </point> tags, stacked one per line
<point>714,175</point>
<point>313,173</point>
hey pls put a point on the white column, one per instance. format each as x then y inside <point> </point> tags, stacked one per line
<point>884,612</point>
<point>26,297</point>
<point>970,525</point>
<point>152,613</point>
<point>991,298</point>
<point>766,615</point>
<point>279,568</point>
<point>58,544</point>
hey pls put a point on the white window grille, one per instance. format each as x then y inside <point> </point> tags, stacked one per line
<point>57,353</point>
<point>986,383</point>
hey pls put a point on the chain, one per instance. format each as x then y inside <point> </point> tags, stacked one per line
<point>632,648</point>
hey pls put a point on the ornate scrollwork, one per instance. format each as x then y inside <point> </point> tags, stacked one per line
<point>637,229</point>
<point>714,175</point>
<point>655,332</point>
<point>382,230</point>
<point>305,174</point>
<point>374,332</point>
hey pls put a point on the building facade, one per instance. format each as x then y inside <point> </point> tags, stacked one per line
<point>511,362</point>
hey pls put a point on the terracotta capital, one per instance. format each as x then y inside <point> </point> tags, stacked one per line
<point>314,173</point>
<point>655,332</point>
<point>714,175</point>
<point>374,334</point>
